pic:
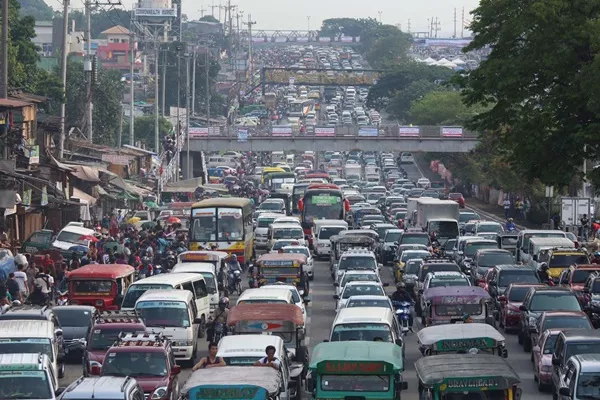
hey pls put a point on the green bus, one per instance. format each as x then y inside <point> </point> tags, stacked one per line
<point>356,369</point>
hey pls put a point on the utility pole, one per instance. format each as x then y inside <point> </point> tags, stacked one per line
<point>454,36</point>
<point>4,57</point>
<point>193,107</point>
<point>212,9</point>
<point>207,68</point>
<point>307,19</point>
<point>131,88</point>
<point>462,26</point>
<point>379,12</point>
<point>202,10</point>
<point>63,74</point>
<point>164,80</point>
<point>178,129</point>
<point>156,75</point>
<point>251,45</point>
<point>408,25</point>
<point>187,116</point>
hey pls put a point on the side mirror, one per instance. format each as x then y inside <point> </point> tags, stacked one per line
<point>58,332</point>
<point>59,391</point>
<point>198,321</point>
<point>379,266</point>
<point>336,284</point>
<point>307,299</point>
<point>176,369</point>
<point>555,361</point>
<point>502,299</point>
<point>386,284</point>
<point>523,308</point>
<point>336,296</point>
<point>564,391</point>
<point>398,342</point>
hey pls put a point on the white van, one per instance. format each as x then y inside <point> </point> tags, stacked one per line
<point>286,231</point>
<point>194,283</point>
<point>322,230</point>
<point>366,323</point>
<point>71,235</point>
<point>174,314</point>
<point>217,258</point>
<point>538,245</point>
<point>33,336</point>
<point>207,270</point>
<point>273,296</point>
<point>30,373</point>
<point>523,241</point>
<point>245,350</point>
<point>261,238</point>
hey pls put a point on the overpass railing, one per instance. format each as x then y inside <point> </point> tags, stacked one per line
<point>365,132</point>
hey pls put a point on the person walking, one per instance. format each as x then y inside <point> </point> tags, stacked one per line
<point>585,227</point>
<point>506,204</point>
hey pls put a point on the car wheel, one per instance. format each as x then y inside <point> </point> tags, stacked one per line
<point>61,371</point>
<point>520,337</point>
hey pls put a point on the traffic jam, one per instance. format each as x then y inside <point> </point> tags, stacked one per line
<point>324,275</point>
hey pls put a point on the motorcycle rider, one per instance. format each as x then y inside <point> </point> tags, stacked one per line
<point>596,259</point>
<point>220,318</point>
<point>401,295</point>
<point>510,225</point>
<point>232,266</point>
<point>543,273</point>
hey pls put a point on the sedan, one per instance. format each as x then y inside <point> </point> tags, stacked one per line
<point>76,322</point>
<point>559,320</point>
<point>542,359</point>
<point>510,303</point>
<point>358,288</point>
<point>457,197</point>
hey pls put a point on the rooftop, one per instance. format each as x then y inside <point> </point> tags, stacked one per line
<point>116,30</point>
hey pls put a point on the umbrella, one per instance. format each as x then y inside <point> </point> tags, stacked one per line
<point>173,220</point>
<point>133,220</point>
<point>79,249</point>
<point>151,204</point>
<point>112,244</point>
<point>148,225</point>
<point>91,238</point>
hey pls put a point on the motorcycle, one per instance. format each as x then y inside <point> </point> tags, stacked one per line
<point>402,310</point>
<point>217,332</point>
<point>235,281</point>
<point>63,298</point>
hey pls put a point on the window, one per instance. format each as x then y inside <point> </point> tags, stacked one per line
<point>200,289</point>
<point>24,385</point>
<point>515,276</point>
<point>189,287</point>
<point>135,363</point>
<point>355,383</point>
<point>174,314</point>
<point>588,385</point>
<point>554,301</point>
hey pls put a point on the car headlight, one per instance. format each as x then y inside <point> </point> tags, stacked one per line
<point>95,364</point>
<point>159,393</point>
<point>184,343</point>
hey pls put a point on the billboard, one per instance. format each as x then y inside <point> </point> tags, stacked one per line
<point>319,77</point>
<point>281,131</point>
<point>409,131</point>
<point>368,132</point>
<point>324,39</point>
<point>153,13</point>
<point>324,132</point>
<point>451,131</point>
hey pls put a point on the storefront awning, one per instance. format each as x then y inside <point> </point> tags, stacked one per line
<point>81,195</point>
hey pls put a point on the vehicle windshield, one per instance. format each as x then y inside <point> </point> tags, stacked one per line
<point>466,217</point>
<point>71,237</point>
<point>412,267</point>
<point>363,332</point>
<point>297,250</point>
<point>517,294</point>
<point>271,206</point>
<point>328,231</point>
<point>363,290</point>
<point>288,233</point>
<point>69,317</point>
<point>25,385</point>
<point>264,222</point>
<point>163,314</point>
<point>407,255</point>
<point>87,287</point>
<point>448,282</point>
<point>566,260</point>
<point>103,339</point>
<point>516,276</point>
<point>564,322</point>
<point>588,385</point>
<point>359,277</point>
<point>135,363</point>
<point>26,345</point>
<point>134,292</point>
<point>437,268</point>
<point>492,259</point>
<point>392,237</point>
<point>400,215</point>
<point>415,239</point>
<point>575,349</point>
<point>444,229</point>
<point>492,228</point>
<point>472,247</point>
<point>457,310</point>
<point>322,205</point>
<point>383,303</point>
<point>554,301</point>
<point>483,395</point>
<point>581,275</point>
<point>355,383</point>
<point>211,284</point>
<point>354,262</point>
<point>208,225</point>
<point>549,345</point>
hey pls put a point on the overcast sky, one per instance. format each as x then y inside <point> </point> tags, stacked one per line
<point>288,14</point>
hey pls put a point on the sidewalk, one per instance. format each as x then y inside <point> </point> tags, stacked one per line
<point>498,212</point>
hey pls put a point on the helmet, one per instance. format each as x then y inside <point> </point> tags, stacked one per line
<point>544,266</point>
<point>400,285</point>
<point>510,220</point>
<point>223,302</point>
<point>233,257</point>
<point>597,254</point>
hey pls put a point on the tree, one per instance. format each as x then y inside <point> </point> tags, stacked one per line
<point>334,27</point>
<point>101,19</point>
<point>389,49</point>
<point>543,78</point>
<point>107,96</point>
<point>400,104</point>
<point>144,130</point>
<point>441,108</point>
<point>37,9</point>
<point>209,18</point>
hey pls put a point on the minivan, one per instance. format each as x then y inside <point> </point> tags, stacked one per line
<point>285,231</point>
<point>523,241</point>
<point>207,270</point>
<point>323,229</point>
<point>367,324</point>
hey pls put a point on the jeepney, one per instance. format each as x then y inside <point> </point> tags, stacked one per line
<point>449,305</point>
<point>341,243</point>
<point>282,267</point>
<point>460,376</point>
<point>508,241</point>
<point>248,383</point>
<point>460,339</point>
<point>100,285</point>
<point>283,320</point>
<point>356,370</point>
<point>217,258</point>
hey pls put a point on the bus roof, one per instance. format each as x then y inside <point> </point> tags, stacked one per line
<point>323,186</point>
<point>223,202</point>
<point>357,351</point>
<point>101,271</point>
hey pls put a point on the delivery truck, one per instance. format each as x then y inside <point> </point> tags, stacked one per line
<point>439,217</point>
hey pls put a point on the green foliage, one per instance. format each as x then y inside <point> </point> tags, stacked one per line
<point>101,19</point>
<point>107,95</point>
<point>333,27</point>
<point>208,18</point>
<point>442,108</point>
<point>389,48</point>
<point>543,79</point>
<point>400,104</point>
<point>37,9</point>
<point>144,130</point>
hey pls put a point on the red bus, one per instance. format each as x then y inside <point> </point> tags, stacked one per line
<point>321,201</point>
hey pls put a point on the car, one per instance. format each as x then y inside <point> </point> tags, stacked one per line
<point>309,267</point>
<point>299,298</point>
<point>466,216</point>
<point>539,300</point>
<point>104,387</point>
<point>352,276</point>
<point>429,266</point>
<point>469,248</point>
<point>357,288</point>
<point>423,183</point>
<point>559,320</point>
<point>272,206</point>
<point>281,243</point>
<point>441,279</point>
<point>503,275</point>
<point>386,249</point>
<point>369,301</point>
<point>510,301</point>
<point>457,197</point>
<point>76,322</point>
<point>488,227</point>
<point>488,258</point>
<point>542,358</point>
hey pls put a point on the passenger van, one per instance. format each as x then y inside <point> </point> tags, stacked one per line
<point>245,350</point>
<point>174,314</point>
<point>261,229</point>
<point>285,231</point>
<point>207,270</point>
<point>322,230</point>
<point>71,235</point>
<point>523,241</point>
<point>539,244</point>
<point>366,324</point>
<point>194,283</point>
<point>30,373</point>
<point>274,296</point>
<point>21,336</point>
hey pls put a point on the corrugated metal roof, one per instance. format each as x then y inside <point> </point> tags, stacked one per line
<point>10,103</point>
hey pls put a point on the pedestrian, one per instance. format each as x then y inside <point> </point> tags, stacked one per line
<point>13,288</point>
<point>585,227</point>
<point>21,278</point>
<point>506,205</point>
<point>519,208</point>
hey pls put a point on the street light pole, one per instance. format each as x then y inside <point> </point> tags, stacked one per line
<point>379,12</point>
<point>308,19</point>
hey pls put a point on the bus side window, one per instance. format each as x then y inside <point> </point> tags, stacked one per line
<point>200,289</point>
<point>188,286</point>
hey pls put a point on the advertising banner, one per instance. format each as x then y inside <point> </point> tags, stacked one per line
<point>409,131</point>
<point>258,40</point>
<point>347,39</point>
<point>242,135</point>
<point>370,132</point>
<point>451,131</point>
<point>156,12</point>
<point>198,132</point>
<point>324,39</point>
<point>281,131</point>
<point>357,39</point>
<point>324,132</point>
<point>281,39</point>
<point>34,155</point>
<point>302,39</point>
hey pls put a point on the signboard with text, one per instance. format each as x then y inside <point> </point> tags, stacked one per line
<point>281,131</point>
<point>354,368</point>
<point>324,131</point>
<point>227,392</point>
<point>242,135</point>
<point>451,131</point>
<point>409,131</point>
<point>370,132</point>
<point>156,12</point>
<point>324,39</point>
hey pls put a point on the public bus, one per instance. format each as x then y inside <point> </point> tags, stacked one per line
<point>322,201</point>
<point>276,180</point>
<point>268,171</point>
<point>297,195</point>
<point>318,174</point>
<point>223,222</point>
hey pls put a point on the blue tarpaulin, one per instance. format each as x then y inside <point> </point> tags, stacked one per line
<point>7,265</point>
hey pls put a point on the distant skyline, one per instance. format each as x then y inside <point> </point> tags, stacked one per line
<point>286,14</point>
